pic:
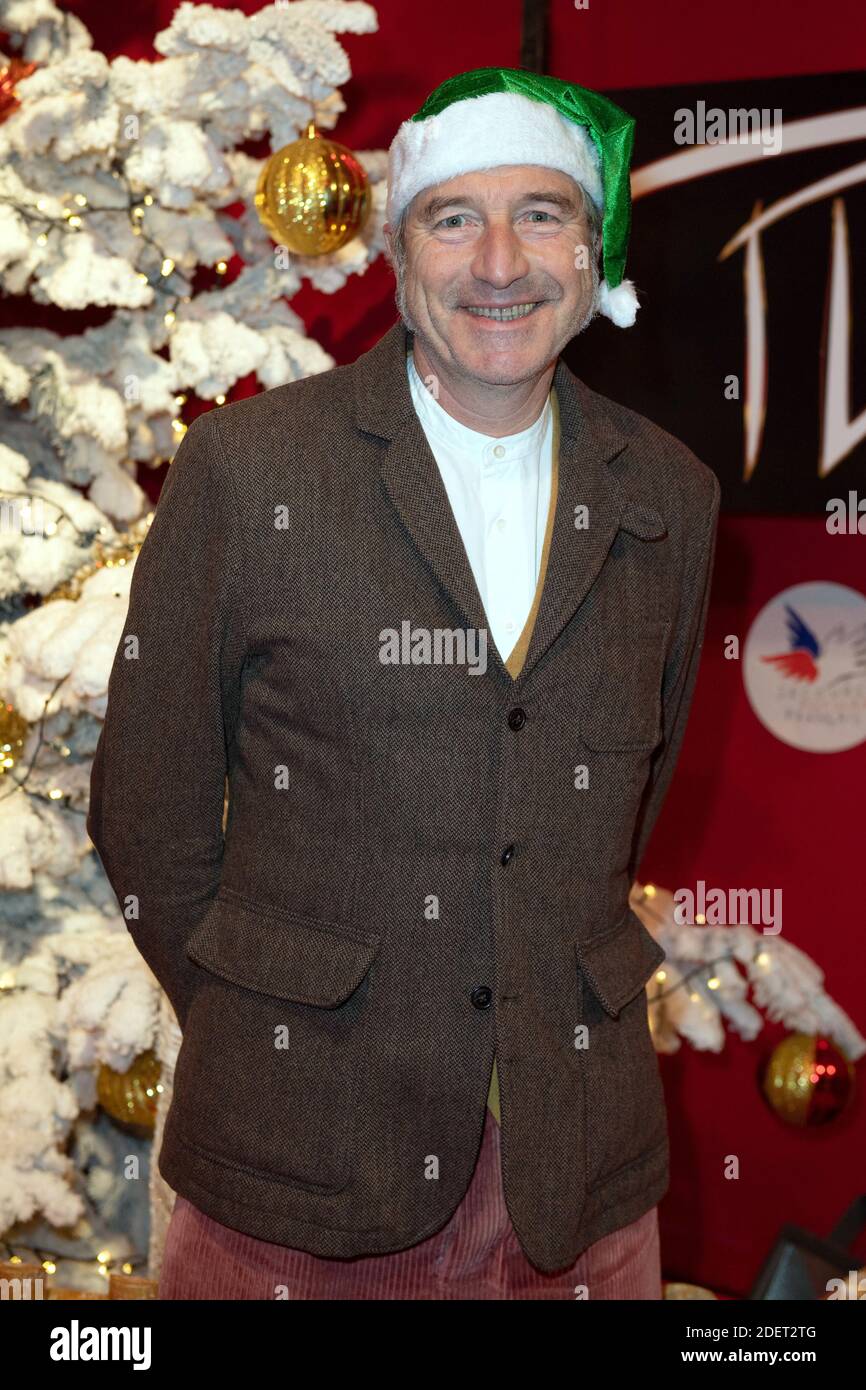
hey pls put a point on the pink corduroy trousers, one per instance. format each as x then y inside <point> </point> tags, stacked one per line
<point>476,1255</point>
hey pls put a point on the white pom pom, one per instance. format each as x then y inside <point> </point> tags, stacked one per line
<point>619,305</point>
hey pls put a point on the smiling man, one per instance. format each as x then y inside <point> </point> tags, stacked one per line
<point>497,272</point>
<point>416,1060</point>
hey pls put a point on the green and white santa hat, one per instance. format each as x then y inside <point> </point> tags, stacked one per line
<point>494,116</point>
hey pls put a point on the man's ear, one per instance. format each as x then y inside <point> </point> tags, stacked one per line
<point>386,229</point>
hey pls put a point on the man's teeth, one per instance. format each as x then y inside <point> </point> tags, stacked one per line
<point>515,311</point>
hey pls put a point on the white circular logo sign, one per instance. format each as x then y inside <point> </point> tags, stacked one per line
<point>804,667</point>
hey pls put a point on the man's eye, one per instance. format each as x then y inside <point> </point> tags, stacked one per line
<point>456,219</point>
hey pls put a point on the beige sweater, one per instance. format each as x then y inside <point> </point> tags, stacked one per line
<point>518,656</point>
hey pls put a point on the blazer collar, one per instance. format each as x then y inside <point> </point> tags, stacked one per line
<point>589,442</point>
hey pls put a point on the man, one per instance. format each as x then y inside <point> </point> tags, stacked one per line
<point>431,835</point>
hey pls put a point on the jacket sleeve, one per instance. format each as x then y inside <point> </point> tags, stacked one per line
<point>681,670</point>
<point>157,785</point>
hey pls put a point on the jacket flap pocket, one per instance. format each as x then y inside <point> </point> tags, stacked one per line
<point>624,708</point>
<point>283,954</point>
<point>618,963</point>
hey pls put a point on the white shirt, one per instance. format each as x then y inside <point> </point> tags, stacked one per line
<point>499,490</point>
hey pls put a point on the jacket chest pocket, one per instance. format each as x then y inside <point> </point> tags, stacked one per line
<point>623,708</point>
<point>625,1109</point>
<point>265,1075</point>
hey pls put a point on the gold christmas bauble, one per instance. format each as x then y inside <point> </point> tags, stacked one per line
<point>807,1081</point>
<point>130,1097</point>
<point>260,201</point>
<point>313,195</point>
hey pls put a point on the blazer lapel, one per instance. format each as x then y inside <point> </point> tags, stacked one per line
<point>588,444</point>
<point>411,477</point>
<point>414,484</point>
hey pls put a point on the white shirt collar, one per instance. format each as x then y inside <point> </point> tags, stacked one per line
<point>490,451</point>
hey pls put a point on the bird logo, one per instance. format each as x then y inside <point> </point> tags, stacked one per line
<point>841,656</point>
<point>804,666</point>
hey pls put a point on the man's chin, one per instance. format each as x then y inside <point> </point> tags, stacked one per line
<point>502,363</point>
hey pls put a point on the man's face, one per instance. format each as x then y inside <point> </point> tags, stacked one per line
<point>512,236</point>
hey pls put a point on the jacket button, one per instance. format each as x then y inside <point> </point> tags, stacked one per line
<point>516,718</point>
<point>481,996</point>
<point>507,855</point>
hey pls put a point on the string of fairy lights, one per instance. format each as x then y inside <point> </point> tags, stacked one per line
<point>74,218</point>
<point>761,957</point>
<point>48,1261</point>
<point>116,554</point>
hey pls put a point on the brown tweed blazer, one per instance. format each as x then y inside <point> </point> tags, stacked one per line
<point>414,871</point>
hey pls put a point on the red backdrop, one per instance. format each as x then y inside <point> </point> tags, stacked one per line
<point>745,809</point>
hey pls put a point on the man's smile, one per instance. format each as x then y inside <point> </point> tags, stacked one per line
<point>500,314</point>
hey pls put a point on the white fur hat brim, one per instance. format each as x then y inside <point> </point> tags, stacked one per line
<point>484,133</point>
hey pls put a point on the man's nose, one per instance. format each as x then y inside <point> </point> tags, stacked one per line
<point>499,255</point>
